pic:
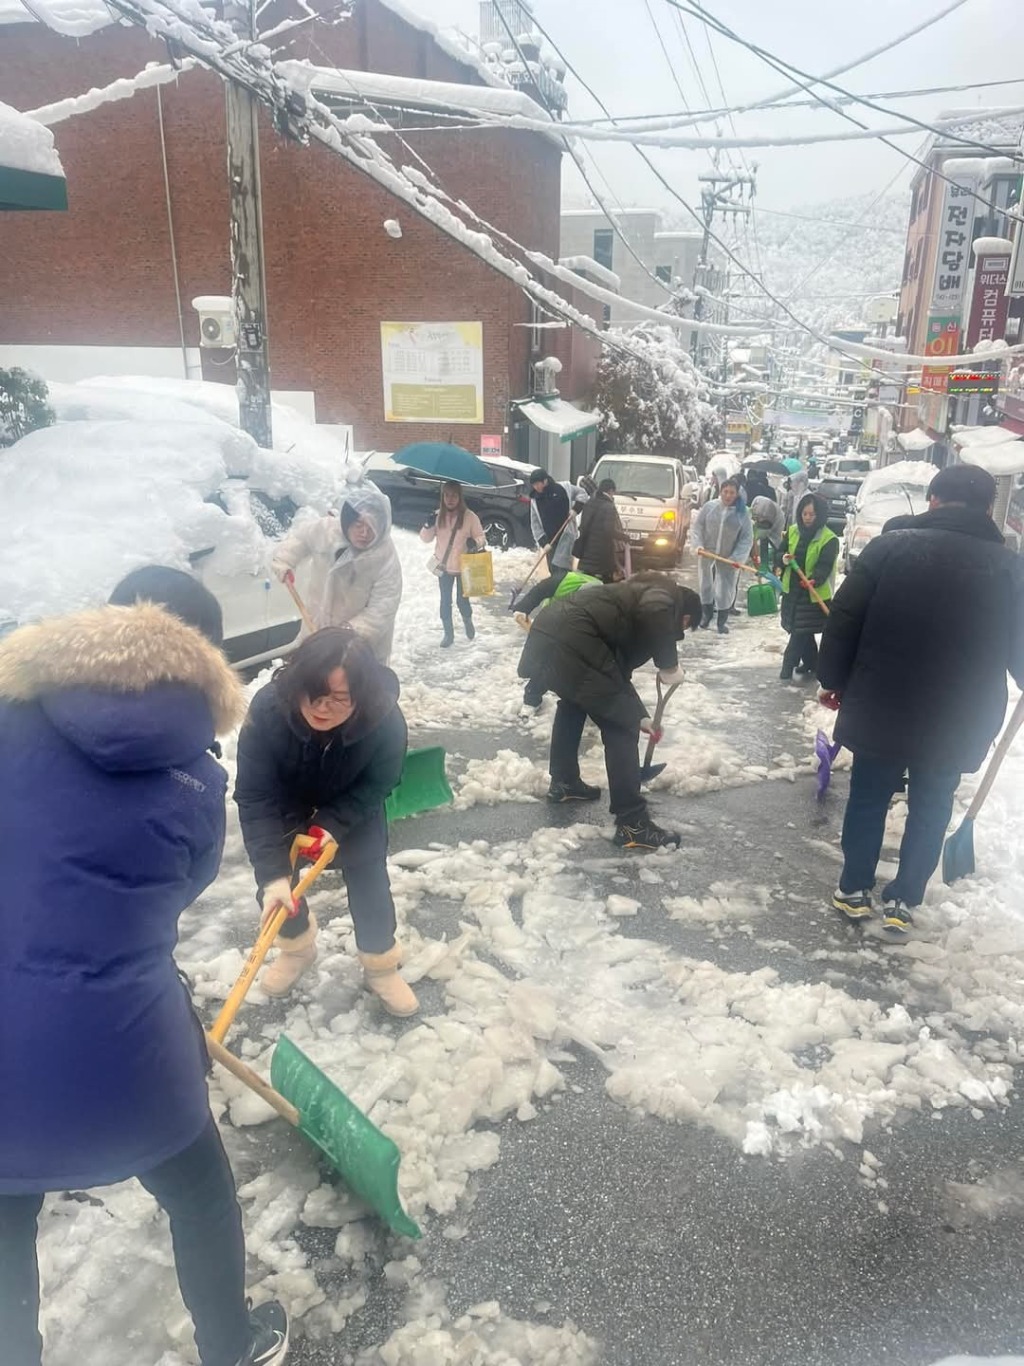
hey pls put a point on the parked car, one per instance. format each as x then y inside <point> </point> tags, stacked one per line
<point>838,494</point>
<point>655,496</point>
<point>504,510</point>
<point>880,498</point>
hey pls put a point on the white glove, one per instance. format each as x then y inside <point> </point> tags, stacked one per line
<point>282,571</point>
<point>669,677</point>
<point>276,894</point>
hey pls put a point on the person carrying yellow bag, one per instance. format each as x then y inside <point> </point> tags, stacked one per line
<point>455,530</point>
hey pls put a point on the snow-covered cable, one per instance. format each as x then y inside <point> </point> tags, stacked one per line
<point>153,75</point>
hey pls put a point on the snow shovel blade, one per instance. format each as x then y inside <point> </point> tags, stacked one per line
<point>958,852</point>
<point>650,771</point>
<point>366,1159</point>
<point>761,600</point>
<point>423,785</point>
<point>826,753</point>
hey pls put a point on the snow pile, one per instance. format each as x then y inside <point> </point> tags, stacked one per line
<point>26,145</point>
<point>308,464</point>
<point>72,18</point>
<point>86,502</point>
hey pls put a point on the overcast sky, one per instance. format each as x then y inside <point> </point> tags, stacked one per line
<point>613,45</point>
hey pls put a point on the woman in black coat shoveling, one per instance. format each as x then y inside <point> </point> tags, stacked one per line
<point>322,747</point>
<point>585,648</point>
<point>812,548</point>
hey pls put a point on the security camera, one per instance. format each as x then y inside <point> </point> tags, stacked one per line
<point>216,320</point>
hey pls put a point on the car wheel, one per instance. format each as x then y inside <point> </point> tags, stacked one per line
<point>500,534</point>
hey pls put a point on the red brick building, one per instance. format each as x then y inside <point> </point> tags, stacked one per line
<point>150,170</point>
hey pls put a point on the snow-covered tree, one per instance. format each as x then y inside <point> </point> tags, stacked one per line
<point>652,398</point>
<point>23,405</point>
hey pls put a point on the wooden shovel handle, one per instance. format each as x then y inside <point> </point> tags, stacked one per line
<point>267,936</point>
<point>806,583</point>
<point>735,564</point>
<point>995,763</point>
<point>253,1080</point>
<point>310,624</point>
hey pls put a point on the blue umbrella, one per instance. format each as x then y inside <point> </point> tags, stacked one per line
<point>442,461</point>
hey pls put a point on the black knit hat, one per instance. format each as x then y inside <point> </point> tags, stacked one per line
<point>181,594</point>
<point>539,476</point>
<point>966,484</point>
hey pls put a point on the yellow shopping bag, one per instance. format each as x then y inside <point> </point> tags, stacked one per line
<point>477,574</point>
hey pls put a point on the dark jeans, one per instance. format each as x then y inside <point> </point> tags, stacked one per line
<point>930,794</point>
<point>801,649</point>
<point>197,1192</point>
<point>621,759</point>
<point>447,583</point>
<point>362,858</point>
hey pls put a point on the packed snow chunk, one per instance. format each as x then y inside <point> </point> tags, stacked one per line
<point>535,1008</point>
<point>26,144</point>
<point>508,777</point>
<point>622,905</point>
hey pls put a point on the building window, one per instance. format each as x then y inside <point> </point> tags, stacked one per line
<point>606,315</point>
<point>535,331</point>
<point>907,267</point>
<point>604,245</point>
<point>664,274</point>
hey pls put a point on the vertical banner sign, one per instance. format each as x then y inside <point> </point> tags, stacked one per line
<point>1015,283</point>
<point>433,372</point>
<point>989,304</point>
<point>953,248</point>
<point>943,339</point>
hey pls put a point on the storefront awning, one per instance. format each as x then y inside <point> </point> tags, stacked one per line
<point>559,418</point>
<point>31,176</point>
<point>917,440</point>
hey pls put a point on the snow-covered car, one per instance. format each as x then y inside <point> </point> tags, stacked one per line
<point>127,478</point>
<point>655,497</point>
<point>900,490</point>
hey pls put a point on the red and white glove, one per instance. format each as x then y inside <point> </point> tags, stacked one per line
<point>655,733</point>
<point>321,840</point>
<point>275,895</point>
<point>283,571</point>
<point>830,699</point>
<point>670,677</point>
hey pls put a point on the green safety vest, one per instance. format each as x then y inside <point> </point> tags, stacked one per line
<point>573,581</point>
<point>813,552</point>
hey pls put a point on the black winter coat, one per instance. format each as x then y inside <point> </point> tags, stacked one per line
<point>553,506</point>
<point>920,639</point>
<point>800,614</point>
<point>584,648</point>
<point>600,531</point>
<point>291,777</point>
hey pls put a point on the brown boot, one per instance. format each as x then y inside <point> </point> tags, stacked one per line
<point>381,971</point>
<point>294,956</point>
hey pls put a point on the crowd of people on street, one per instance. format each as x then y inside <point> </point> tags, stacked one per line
<point>116,821</point>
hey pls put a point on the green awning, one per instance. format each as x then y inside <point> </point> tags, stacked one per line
<point>31,190</point>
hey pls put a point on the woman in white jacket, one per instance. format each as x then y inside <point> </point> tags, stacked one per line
<point>355,576</point>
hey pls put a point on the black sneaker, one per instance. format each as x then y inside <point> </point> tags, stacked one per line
<point>644,834</point>
<point>786,676</point>
<point>269,1344</point>
<point>579,791</point>
<point>854,905</point>
<point>897,920</point>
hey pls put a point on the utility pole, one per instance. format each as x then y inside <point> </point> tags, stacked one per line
<point>718,196</point>
<point>248,279</point>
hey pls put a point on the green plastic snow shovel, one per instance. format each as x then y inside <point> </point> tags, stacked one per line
<point>422,786</point>
<point>365,1158</point>
<point>958,851</point>
<point>761,600</point>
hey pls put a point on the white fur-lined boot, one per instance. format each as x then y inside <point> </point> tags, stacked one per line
<point>381,973</point>
<point>294,956</point>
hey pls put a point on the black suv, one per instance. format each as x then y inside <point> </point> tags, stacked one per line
<point>504,510</point>
<point>837,494</point>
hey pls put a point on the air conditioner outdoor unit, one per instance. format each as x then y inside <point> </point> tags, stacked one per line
<point>216,320</point>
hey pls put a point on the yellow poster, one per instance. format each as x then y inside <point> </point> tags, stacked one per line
<point>433,372</point>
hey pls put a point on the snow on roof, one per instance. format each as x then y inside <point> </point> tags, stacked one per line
<point>72,18</point>
<point>559,418</point>
<point>917,440</point>
<point>589,266</point>
<point>997,127</point>
<point>451,42</point>
<point>377,87</point>
<point>26,145</point>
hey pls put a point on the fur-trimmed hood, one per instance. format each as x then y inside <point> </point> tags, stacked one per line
<point>120,650</point>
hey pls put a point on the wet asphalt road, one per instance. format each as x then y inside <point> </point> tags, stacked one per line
<point>662,1241</point>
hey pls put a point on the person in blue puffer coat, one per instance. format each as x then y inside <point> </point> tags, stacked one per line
<point>113,823</point>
